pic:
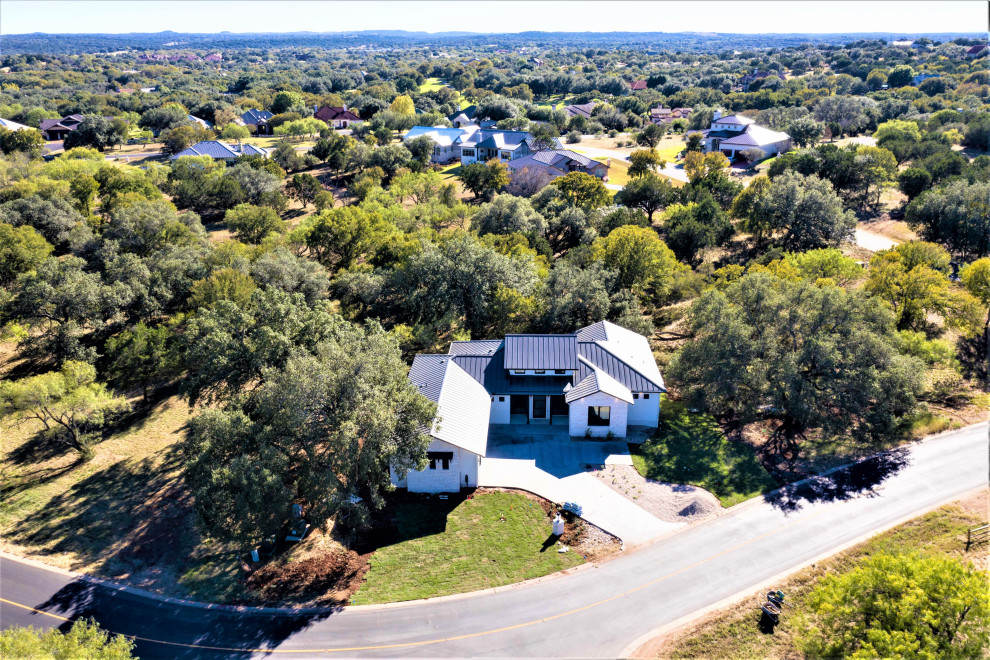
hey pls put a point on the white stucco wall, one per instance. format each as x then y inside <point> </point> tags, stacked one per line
<point>500,410</point>
<point>578,420</point>
<point>463,463</point>
<point>645,412</point>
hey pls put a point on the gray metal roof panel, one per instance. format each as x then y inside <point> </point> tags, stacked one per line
<point>475,347</point>
<point>541,352</point>
<point>490,371</point>
<point>426,373</point>
<point>614,367</point>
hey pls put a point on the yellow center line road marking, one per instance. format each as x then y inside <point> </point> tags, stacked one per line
<point>442,640</point>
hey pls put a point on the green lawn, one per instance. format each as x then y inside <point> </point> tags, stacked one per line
<point>431,85</point>
<point>690,448</point>
<point>451,171</point>
<point>444,551</point>
<point>733,633</point>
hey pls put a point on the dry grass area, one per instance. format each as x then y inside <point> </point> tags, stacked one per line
<point>733,632</point>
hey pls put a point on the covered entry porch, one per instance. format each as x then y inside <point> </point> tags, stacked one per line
<point>539,409</point>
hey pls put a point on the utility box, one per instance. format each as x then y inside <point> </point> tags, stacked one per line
<point>558,526</point>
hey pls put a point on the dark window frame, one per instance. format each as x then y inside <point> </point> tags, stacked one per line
<point>596,416</point>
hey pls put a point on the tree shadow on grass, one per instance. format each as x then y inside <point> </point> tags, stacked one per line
<point>189,631</point>
<point>693,449</point>
<point>125,517</point>
<point>845,483</point>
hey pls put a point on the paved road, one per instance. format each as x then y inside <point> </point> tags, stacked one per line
<point>595,612</point>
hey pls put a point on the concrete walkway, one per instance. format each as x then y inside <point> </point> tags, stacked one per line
<point>545,461</point>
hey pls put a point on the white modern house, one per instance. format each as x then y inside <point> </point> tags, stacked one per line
<point>596,382</point>
<point>734,134</point>
<point>471,143</point>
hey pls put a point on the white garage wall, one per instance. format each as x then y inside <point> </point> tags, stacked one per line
<point>500,410</point>
<point>617,418</point>
<point>463,463</point>
<point>645,412</point>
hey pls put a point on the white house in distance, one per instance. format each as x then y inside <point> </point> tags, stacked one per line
<point>472,143</point>
<point>735,133</point>
<point>598,382</point>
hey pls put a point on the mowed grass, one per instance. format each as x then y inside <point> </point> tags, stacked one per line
<point>690,448</point>
<point>447,548</point>
<point>430,85</point>
<point>734,632</point>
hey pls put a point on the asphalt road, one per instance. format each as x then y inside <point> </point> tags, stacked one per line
<point>595,612</point>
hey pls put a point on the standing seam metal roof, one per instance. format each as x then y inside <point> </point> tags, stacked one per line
<point>541,352</point>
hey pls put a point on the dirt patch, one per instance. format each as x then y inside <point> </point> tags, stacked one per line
<point>668,502</point>
<point>327,578</point>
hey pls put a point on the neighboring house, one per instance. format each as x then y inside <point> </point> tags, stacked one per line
<point>222,151</point>
<point>485,144</point>
<point>214,57</point>
<point>258,121</point>
<point>445,140</point>
<point>597,382</point>
<point>338,117</point>
<point>581,110</point>
<point>735,133</point>
<point>468,117</point>
<point>662,115</point>
<point>637,85</point>
<point>472,143</point>
<point>202,122</point>
<point>921,77</point>
<point>559,162</point>
<point>13,125</point>
<point>749,78</point>
<point>977,50</point>
<point>57,129</point>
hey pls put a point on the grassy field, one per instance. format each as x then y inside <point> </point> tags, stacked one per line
<point>122,515</point>
<point>430,85</point>
<point>690,448</point>
<point>618,172</point>
<point>448,547</point>
<point>734,633</point>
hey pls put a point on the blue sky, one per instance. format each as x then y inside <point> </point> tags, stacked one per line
<point>20,16</point>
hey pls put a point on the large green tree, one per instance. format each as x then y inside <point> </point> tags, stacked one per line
<point>811,356</point>
<point>69,403</point>
<point>83,641</point>
<point>323,428</point>
<point>899,606</point>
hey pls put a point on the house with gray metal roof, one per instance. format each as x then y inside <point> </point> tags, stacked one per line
<point>734,134</point>
<point>472,143</point>
<point>596,382</point>
<point>560,162</point>
<point>222,151</point>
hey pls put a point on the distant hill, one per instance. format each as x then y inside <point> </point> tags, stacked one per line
<point>693,41</point>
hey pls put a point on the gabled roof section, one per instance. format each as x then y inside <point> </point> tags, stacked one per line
<point>211,148</point>
<point>255,117</point>
<point>426,373</point>
<point>623,354</point>
<point>734,119</point>
<point>463,405</point>
<point>541,352</point>
<point>444,137</point>
<point>598,381</point>
<point>463,409</point>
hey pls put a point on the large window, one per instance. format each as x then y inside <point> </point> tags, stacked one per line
<point>598,415</point>
<point>467,152</point>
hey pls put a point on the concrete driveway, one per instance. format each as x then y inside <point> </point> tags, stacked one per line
<point>546,461</point>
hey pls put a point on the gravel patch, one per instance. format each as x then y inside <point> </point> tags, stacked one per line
<point>668,502</point>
